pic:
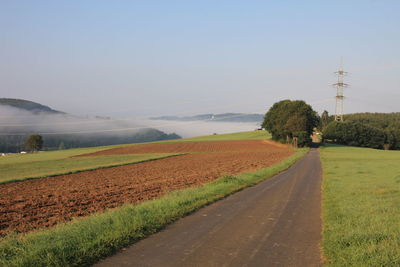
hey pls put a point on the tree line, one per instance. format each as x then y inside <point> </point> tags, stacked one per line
<point>374,130</point>
<point>287,120</point>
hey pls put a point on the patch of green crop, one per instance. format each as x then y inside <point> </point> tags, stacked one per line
<point>18,171</point>
<point>361,206</point>
<point>51,155</point>
<point>251,135</point>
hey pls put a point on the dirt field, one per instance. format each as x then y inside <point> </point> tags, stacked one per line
<point>44,202</point>
<point>193,147</point>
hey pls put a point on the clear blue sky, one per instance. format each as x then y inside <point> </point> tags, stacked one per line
<point>185,57</point>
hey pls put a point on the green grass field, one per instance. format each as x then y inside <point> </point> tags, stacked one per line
<point>51,155</point>
<point>17,171</point>
<point>26,166</point>
<point>252,135</point>
<point>361,206</point>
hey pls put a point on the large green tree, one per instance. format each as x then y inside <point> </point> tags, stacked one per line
<point>289,118</point>
<point>34,142</point>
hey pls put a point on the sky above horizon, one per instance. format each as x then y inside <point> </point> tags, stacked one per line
<point>145,58</point>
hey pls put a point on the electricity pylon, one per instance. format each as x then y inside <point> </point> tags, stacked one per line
<point>340,85</point>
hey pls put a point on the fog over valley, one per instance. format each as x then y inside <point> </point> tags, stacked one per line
<point>199,128</point>
<point>62,130</point>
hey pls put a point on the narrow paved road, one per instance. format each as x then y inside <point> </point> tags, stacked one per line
<point>275,223</point>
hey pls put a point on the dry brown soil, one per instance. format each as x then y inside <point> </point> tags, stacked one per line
<point>42,203</point>
<point>192,147</point>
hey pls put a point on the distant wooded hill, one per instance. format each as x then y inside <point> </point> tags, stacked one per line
<point>225,117</point>
<point>28,106</point>
<point>21,118</point>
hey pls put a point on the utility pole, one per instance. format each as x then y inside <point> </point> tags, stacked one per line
<point>340,85</point>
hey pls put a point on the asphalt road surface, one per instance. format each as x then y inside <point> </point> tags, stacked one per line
<point>275,223</point>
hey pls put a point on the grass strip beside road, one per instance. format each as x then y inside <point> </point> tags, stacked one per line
<point>84,241</point>
<point>361,206</point>
<point>12,172</point>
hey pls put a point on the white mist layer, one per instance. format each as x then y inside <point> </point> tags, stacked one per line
<point>15,121</point>
<point>199,128</point>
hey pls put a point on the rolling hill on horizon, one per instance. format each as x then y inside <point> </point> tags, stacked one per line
<point>28,106</point>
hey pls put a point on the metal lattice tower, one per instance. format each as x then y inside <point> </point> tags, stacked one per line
<point>340,85</point>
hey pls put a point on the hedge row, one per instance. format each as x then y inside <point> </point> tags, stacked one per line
<point>362,135</point>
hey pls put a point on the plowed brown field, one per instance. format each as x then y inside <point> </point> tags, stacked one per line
<point>41,203</point>
<point>192,147</point>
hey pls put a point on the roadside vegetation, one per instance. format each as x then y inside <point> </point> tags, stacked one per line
<point>361,206</point>
<point>86,240</point>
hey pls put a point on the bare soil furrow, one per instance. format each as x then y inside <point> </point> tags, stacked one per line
<point>41,203</point>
